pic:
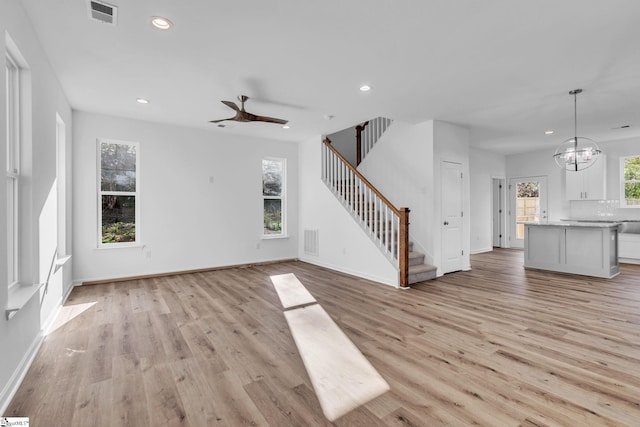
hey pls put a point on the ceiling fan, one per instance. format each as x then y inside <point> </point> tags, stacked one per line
<point>244,116</point>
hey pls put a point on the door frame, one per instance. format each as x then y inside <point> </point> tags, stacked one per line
<point>501,216</point>
<point>544,203</point>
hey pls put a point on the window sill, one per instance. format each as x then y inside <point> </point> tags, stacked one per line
<point>275,236</point>
<point>19,296</point>
<point>121,246</point>
<point>61,261</point>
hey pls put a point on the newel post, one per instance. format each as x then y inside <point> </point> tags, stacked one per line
<point>404,247</point>
<point>359,130</point>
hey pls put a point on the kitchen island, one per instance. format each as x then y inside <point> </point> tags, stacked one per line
<point>588,248</point>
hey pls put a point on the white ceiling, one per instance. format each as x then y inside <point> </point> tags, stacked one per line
<point>502,68</point>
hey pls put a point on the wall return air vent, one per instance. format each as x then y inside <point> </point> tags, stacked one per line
<point>103,12</point>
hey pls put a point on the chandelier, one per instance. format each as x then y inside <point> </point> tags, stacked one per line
<point>577,153</point>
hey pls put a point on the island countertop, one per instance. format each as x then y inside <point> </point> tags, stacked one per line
<point>596,224</point>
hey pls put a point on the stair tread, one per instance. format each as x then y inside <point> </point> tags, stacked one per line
<point>415,269</point>
<point>415,254</point>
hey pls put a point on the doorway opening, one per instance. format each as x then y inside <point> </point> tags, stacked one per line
<point>528,203</point>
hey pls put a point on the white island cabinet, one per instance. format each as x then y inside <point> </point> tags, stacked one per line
<point>588,248</point>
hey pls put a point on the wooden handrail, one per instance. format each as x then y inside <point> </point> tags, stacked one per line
<point>401,213</point>
<point>355,171</point>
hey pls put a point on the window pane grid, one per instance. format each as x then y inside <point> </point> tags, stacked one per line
<point>118,191</point>
<point>273,195</point>
<point>630,181</point>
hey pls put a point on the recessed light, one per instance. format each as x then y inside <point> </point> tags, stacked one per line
<point>286,127</point>
<point>365,88</point>
<point>142,101</point>
<point>548,132</point>
<point>161,23</point>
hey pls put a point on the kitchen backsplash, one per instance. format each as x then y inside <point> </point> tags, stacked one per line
<point>602,209</point>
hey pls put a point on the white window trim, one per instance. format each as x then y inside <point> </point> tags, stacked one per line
<point>136,194</point>
<point>623,200</point>
<point>61,180</point>
<point>13,144</point>
<point>283,197</point>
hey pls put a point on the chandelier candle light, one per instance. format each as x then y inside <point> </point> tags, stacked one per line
<point>577,153</point>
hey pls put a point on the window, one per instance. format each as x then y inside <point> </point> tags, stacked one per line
<point>630,188</point>
<point>12,72</point>
<point>273,195</point>
<point>118,223</point>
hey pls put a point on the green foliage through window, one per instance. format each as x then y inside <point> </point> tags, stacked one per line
<point>528,189</point>
<point>118,192</point>
<point>273,191</point>
<point>631,176</point>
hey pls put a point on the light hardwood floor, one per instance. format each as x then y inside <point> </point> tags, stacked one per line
<point>495,346</point>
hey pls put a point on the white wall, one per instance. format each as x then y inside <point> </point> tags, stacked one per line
<point>451,144</point>
<point>22,335</point>
<point>343,245</point>
<point>186,221</point>
<point>345,142</point>
<point>483,167</point>
<point>400,165</point>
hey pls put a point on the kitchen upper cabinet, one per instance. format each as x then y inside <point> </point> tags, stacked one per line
<point>588,184</point>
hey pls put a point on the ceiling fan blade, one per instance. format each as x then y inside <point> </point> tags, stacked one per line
<point>231,105</point>
<point>221,120</point>
<point>269,120</point>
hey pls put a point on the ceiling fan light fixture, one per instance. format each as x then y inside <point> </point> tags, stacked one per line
<point>244,116</point>
<point>142,101</point>
<point>286,127</point>
<point>365,88</point>
<point>161,23</point>
<point>577,153</point>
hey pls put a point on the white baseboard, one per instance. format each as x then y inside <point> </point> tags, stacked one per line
<point>382,280</point>
<point>481,250</point>
<point>12,386</point>
<point>10,389</point>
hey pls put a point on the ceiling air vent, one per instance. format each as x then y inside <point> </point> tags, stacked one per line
<point>103,12</point>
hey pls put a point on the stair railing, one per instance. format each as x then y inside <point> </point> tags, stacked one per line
<point>385,224</point>
<point>367,134</point>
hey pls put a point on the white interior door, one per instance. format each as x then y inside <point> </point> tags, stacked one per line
<point>527,203</point>
<point>451,195</point>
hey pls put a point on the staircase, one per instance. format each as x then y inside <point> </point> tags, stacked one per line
<point>418,270</point>
<point>385,224</point>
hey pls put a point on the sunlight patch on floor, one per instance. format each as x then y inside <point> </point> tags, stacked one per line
<point>68,313</point>
<point>342,377</point>
<point>291,292</point>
